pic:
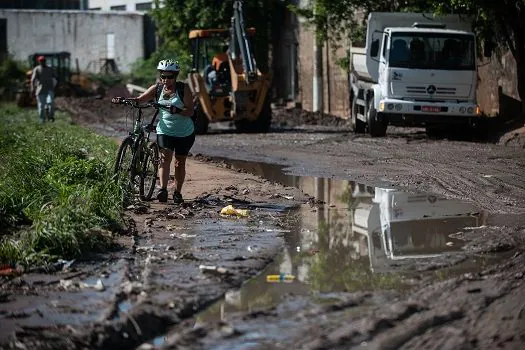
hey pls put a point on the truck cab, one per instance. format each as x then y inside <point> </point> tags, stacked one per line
<point>414,71</point>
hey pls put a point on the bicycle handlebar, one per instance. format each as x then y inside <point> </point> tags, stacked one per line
<point>135,104</point>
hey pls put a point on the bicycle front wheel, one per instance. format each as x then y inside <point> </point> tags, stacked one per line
<point>124,158</point>
<point>150,167</point>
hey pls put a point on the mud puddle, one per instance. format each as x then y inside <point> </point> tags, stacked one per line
<point>358,238</point>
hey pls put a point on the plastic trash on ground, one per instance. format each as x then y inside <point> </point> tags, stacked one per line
<point>230,210</point>
<point>282,277</point>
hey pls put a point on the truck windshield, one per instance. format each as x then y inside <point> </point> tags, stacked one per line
<point>432,51</point>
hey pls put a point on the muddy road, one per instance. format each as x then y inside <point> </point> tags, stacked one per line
<point>325,222</point>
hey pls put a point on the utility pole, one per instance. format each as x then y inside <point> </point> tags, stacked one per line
<point>317,88</point>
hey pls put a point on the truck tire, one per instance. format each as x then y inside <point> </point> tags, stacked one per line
<point>200,121</point>
<point>376,124</point>
<point>435,132</point>
<point>357,126</point>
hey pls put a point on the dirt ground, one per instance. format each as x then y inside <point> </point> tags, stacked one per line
<point>177,261</point>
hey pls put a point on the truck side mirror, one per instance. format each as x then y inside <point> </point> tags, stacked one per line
<point>488,47</point>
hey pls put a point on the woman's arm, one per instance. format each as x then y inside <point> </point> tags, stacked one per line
<point>147,95</point>
<point>188,103</point>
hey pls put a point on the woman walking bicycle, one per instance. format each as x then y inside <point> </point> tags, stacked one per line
<point>175,129</point>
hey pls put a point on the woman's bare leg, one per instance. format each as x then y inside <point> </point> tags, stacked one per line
<point>180,172</point>
<point>164,167</point>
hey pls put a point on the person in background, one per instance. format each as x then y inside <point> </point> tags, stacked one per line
<point>175,129</point>
<point>219,59</point>
<point>43,81</point>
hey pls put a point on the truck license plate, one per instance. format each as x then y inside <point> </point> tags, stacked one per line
<point>431,109</point>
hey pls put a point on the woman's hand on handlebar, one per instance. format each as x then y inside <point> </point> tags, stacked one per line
<point>122,100</point>
<point>160,106</point>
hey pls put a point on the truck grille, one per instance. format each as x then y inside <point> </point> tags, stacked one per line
<point>443,91</point>
<point>440,91</point>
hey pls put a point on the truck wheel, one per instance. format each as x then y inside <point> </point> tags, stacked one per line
<point>200,121</point>
<point>357,126</point>
<point>376,124</point>
<point>435,132</point>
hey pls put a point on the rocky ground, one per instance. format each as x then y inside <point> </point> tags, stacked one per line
<point>177,262</point>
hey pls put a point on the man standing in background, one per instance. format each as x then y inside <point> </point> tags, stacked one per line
<point>44,79</point>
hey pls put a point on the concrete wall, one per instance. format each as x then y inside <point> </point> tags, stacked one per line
<point>335,79</point>
<point>83,33</point>
<point>130,5</point>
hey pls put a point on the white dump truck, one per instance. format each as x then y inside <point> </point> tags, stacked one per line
<point>415,70</point>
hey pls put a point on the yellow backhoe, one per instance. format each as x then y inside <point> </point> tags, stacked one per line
<point>236,90</point>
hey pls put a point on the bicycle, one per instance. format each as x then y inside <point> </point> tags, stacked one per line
<point>142,166</point>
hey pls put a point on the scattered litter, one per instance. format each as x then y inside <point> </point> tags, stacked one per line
<point>230,210</point>
<point>282,277</point>
<point>182,235</point>
<point>277,195</point>
<point>69,284</point>
<point>211,268</point>
<point>8,270</point>
<point>131,287</point>
<point>488,176</point>
<point>450,244</point>
<point>475,227</point>
<point>99,286</point>
<point>245,191</point>
<point>298,249</point>
<point>146,248</point>
<point>277,230</point>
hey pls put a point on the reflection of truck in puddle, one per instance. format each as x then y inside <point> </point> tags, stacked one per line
<point>401,225</point>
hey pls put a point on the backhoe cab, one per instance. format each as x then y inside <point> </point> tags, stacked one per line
<point>234,90</point>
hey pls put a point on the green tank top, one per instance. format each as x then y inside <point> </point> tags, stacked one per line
<point>175,124</point>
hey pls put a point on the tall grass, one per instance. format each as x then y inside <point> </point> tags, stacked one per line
<point>57,197</point>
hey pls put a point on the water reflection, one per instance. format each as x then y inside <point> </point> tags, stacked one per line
<point>353,242</point>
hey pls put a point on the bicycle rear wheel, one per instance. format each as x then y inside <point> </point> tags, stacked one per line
<point>150,167</point>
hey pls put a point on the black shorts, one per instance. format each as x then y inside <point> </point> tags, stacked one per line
<point>180,145</point>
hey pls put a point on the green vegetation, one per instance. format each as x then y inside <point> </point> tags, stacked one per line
<point>57,199</point>
<point>336,267</point>
<point>12,73</point>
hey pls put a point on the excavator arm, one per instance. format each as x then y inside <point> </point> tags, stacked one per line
<point>240,44</point>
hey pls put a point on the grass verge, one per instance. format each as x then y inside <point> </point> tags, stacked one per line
<point>57,197</point>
